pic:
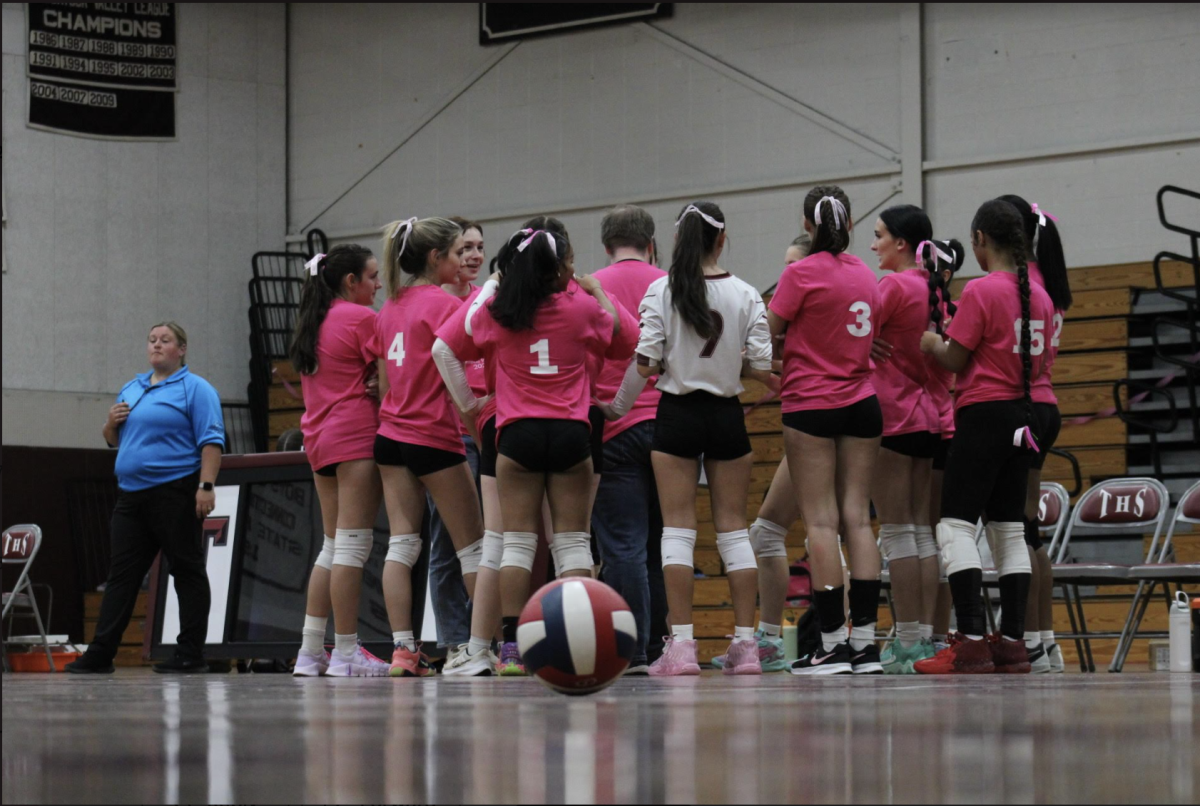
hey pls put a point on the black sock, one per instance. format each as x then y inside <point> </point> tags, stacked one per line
<point>831,608</point>
<point>864,601</point>
<point>509,625</point>
<point>1032,536</point>
<point>966,589</point>
<point>1014,601</point>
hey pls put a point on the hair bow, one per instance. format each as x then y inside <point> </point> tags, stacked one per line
<point>691,208</point>
<point>407,227</point>
<point>535,233</point>
<point>314,265</point>
<point>839,212</point>
<point>921,247</point>
<point>1042,216</point>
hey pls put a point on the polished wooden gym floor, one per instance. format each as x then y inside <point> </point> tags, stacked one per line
<point>137,737</point>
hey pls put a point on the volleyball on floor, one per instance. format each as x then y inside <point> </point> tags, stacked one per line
<point>576,635</point>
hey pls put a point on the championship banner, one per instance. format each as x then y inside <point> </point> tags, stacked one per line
<point>105,70</point>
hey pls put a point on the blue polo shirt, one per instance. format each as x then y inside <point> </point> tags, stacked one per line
<point>168,424</point>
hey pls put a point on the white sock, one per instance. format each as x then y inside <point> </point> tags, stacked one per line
<point>312,639</point>
<point>743,633</point>
<point>862,637</point>
<point>1014,640</point>
<point>908,633</point>
<point>1033,639</point>
<point>973,637</point>
<point>406,639</point>
<point>346,645</point>
<point>1047,637</point>
<point>831,639</point>
<point>926,631</point>
<point>770,630</point>
<point>477,645</point>
<point>682,632</point>
<point>939,639</point>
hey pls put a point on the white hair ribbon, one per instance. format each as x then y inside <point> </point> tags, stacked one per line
<point>407,226</point>
<point>1023,437</point>
<point>1042,216</point>
<point>529,240</point>
<point>930,244</point>
<point>839,212</point>
<point>691,208</point>
<point>314,265</point>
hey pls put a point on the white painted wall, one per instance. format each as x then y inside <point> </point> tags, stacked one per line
<point>578,121</point>
<point>106,238</point>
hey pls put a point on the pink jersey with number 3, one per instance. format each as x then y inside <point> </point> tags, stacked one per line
<point>542,373</point>
<point>828,301</point>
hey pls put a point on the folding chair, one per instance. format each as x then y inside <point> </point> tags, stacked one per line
<point>1121,505</point>
<point>21,545</point>
<point>1163,570</point>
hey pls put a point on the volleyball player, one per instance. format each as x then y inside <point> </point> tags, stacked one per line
<point>1048,269</point>
<point>696,322</point>
<point>832,427</point>
<point>900,487</point>
<point>332,351</point>
<point>996,346</point>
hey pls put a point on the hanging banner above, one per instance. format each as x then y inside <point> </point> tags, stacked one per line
<point>500,22</point>
<point>105,70</point>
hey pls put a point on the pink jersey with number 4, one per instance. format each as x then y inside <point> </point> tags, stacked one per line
<point>340,418</point>
<point>542,372</point>
<point>902,381</point>
<point>988,323</point>
<point>1043,387</point>
<point>828,301</point>
<point>417,408</point>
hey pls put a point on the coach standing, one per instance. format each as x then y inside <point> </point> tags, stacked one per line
<point>169,432</point>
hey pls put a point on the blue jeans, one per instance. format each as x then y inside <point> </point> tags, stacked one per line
<point>451,607</point>
<point>627,523</point>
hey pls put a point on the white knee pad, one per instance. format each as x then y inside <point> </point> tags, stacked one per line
<point>404,549</point>
<point>678,547</point>
<point>519,550</point>
<point>736,551</point>
<point>767,539</point>
<point>325,558</point>
<point>470,557</point>
<point>926,545</point>
<point>493,550</point>
<point>897,541</point>
<point>572,551</point>
<point>1009,548</point>
<point>956,539</point>
<point>352,547</point>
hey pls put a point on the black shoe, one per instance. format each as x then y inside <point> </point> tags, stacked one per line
<point>89,664</point>
<point>178,665</point>
<point>820,662</point>
<point>866,660</point>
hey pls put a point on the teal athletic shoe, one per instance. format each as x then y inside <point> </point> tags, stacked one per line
<point>770,654</point>
<point>898,660</point>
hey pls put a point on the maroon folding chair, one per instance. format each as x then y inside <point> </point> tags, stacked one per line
<point>21,545</point>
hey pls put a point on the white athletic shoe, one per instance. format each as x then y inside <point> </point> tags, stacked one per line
<point>361,664</point>
<point>1054,653</point>
<point>464,664</point>
<point>311,664</point>
<point>1039,661</point>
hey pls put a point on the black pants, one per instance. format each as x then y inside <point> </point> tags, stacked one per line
<point>161,518</point>
<point>985,473</point>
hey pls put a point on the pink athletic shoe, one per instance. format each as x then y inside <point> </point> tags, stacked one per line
<point>361,664</point>
<point>311,665</point>
<point>742,658</point>
<point>678,658</point>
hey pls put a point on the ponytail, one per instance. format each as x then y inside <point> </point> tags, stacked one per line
<point>1044,245</point>
<point>406,248</point>
<point>827,209</point>
<point>532,262</point>
<point>322,286</point>
<point>943,256</point>
<point>696,232</point>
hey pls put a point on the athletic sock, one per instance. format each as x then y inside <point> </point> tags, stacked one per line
<point>477,645</point>
<point>864,601</point>
<point>406,639</point>
<point>509,625</point>
<point>829,640</point>
<point>312,639</point>
<point>346,645</point>
<point>770,630</point>
<point>683,632</point>
<point>1047,637</point>
<point>862,637</point>
<point>939,639</point>
<point>926,632</point>
<point>1032,639</point>
<point>1014,595</point>
<point>908,633</point>
<point>743,633</point>
<point>966,589</point>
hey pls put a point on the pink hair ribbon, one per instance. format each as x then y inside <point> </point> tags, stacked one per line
<point>1025,435</point>
<point>921,247</point>
<point>529,240</point>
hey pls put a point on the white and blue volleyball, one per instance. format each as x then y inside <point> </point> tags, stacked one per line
<point>576,635</point>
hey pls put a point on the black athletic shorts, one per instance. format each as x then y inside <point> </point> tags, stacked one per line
<point>330,471</point>
<point>941,452</point>
<point>863,419</point>
<point>596,419</point>
<point>701,423</point>
<point>487,451</point>
<point>546,446</point>
<point>420,459</point>
<point>1049,423</point>
<point>918,445</point>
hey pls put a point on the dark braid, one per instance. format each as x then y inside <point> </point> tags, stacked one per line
<point>938,287</point>
<point>1026,358</point>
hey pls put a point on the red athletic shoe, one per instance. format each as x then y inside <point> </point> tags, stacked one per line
<point>963,656</point>
<point>1009,657</point>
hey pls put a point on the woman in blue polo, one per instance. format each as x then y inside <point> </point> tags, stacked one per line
<point>169,433</point>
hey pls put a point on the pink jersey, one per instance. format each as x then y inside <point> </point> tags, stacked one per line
<point>417,408</point>
<point>988,323</point>
<point>454,333</point>
<point>1043,388</point>
<point>340,418</point>
<point>901,382</point>
<point>829,301</point>
<point>626,282</point>
<point>542,373</point>
<point>473,369</point>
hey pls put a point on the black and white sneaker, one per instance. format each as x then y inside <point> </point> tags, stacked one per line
<point>1039,661</point>
<point>866,660</point>
<point>820,662</point>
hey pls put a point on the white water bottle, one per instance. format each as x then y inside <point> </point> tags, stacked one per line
<point>1180,630</point>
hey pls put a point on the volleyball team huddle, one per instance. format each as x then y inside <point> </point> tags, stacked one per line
<point>939,412</point>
